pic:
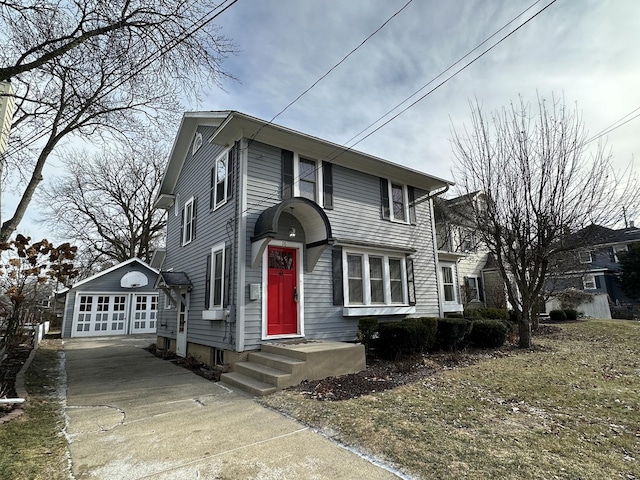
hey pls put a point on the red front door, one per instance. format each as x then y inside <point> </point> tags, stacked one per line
<point>282,292</point>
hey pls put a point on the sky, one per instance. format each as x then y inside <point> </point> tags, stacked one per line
<point>584,51</point>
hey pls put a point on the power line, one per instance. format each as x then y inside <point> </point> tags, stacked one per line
<point>613,126</point>
<point>330,70</point>
<point>345,149</point>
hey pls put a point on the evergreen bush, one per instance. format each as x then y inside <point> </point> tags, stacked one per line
<point>488,333</point>
<point>557,315</point>
<point>452,333</point>
<point>571,313</point>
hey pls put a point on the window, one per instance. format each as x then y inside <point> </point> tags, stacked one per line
<point>304,177</point>
<point>619,250</point>
<point>307,182</point>
<point>374,279</point>
<point>447,282</point>
<point>398,202</point>
<point>188,221</point>
<point>219,183</point>
<point>197,143</point>
<point>214,282</point>
<point>589,282</point>
<point>469,241</point>
<point>472,289</point>
<point>585,257</point>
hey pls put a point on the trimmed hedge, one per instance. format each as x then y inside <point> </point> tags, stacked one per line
<point>557,315</point>
<point>367,330</point>
<point>571,313</point>
<point>452,333</point>
<point>488,333</point>
<point>490,313</point>
<point>407,337</point>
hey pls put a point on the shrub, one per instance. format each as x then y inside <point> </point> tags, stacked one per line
<point>452,333</point>
<point>571,313</point>
<point>408,337</point>
<point>513,316</point>
<point>491,313</point>
<point>557,315</point>
<point>453,315</point>
<point>488,333</point>
<point>367,329</point>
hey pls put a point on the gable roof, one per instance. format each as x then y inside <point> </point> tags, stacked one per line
<point>111,269</point>
<point>593,235</point>
<point>231,125</point>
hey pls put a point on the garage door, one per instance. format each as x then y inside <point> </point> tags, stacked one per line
<point>144,314</point>
<point>98,315</point>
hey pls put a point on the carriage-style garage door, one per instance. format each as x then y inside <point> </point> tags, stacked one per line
<point>98,315</point>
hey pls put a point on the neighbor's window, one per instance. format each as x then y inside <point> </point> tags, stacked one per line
<point>585,257</point>
<point>447,282</point>
<point>472,289</point>
<point>375,279</point>
<point>589,282</point>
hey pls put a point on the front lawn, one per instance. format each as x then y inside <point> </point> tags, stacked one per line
<point>569,408</point>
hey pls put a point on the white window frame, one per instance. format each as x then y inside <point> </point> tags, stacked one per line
<point>581,257</point>
<point>223,157</point>
<point>216,312</point>
<point>405,201</point>
<point>617,250</point>
<point>589,282</point>
<point>187,220</point>
<point>368,307</point>
<point>296,177</point>
<point>197,143</point>
<point>445,284</point>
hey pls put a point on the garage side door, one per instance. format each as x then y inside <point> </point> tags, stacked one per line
<point>145,312</point>
<point>98,315</point>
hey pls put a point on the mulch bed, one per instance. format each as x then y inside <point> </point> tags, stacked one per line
<point>9,368</point>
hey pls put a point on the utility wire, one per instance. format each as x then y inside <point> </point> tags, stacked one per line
<point>613,126</point>
<point>329,71</point>
<point>341,151</point>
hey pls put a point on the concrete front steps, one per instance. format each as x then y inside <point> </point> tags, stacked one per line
<point>281,365</point>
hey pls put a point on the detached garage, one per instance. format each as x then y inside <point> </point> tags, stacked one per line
<point>119,301</point>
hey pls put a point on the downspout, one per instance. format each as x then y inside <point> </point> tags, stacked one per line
<point>241,243</point>
<point>430,197</point>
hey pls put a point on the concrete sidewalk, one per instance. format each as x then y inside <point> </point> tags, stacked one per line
<point>132,415</point>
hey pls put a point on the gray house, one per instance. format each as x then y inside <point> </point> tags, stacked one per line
<point>121,300</point>
<point>277,239</point>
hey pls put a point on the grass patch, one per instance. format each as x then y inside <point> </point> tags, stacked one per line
<point>33,446</point>
<point>570,408</point>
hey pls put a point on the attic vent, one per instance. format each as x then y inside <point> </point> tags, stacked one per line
<point>197,143</point>
<point>134,279</point>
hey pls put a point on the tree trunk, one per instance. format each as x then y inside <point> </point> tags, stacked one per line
<point>524,329</point>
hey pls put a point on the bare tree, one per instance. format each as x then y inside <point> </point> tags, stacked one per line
<point>104,202</point>
<point>99,70</point>
<point>539,183</point>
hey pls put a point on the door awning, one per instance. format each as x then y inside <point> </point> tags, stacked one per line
<point>312,218</point>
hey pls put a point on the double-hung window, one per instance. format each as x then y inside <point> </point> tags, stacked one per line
<point>398,202</point>
<point>472,289</point>
<point>188,221</point>
<point>585,257</point>
<point>377,281</point>
<point>448,285</point>
<point>219,184</point>
<point>307,178</point>
<point>589,282</point>
<point>214,283</point>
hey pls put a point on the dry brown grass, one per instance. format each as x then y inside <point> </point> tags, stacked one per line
<point>568,409</point>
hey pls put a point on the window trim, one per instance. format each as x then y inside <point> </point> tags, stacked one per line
<point>319,197</point>
<point>367,307</point>
<point>586,283</point>
<point>189,222</point>
<point>476,288</point>
<point>215,312</point>
<point>618,250</point>
<point>197,143</point>
<point>445,284</point>
<point>580,257</point>
<point>213,188</point>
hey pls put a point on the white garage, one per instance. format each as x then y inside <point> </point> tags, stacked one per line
<point>119,301</point>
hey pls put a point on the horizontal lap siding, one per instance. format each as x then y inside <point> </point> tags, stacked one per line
<point>211,230</point>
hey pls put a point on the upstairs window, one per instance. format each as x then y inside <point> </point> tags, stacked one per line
<point>188,226</point>
<point>589,282</point>
<point>220,189</point>
<point>308,182</point>
<point>585,257</point>
<point>307,178</point>
<point>398,202</point>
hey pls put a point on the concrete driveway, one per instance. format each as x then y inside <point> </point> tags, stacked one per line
<point>132,415</point>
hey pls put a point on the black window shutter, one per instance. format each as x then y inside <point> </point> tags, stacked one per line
<point>207,284</point>
<point>227,276</point>
<point>480,290</point>
<point>412,205</point>
<point>338,294</point>
<point>212,186</point>
<point>287,174</point>
<point>597,279</point>
<point>193,218</point>
<point>411,283</point>
<point>327,184</point>
<point>384,195</point>
<point>232,160</point>
<point>182,226</point>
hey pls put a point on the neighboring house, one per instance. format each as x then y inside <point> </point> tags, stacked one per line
<point>274,235</point>
<point>593,265</point>
<point>469,278</point>
<point>121,300</point>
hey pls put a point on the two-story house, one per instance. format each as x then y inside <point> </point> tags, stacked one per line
<point>275,236</point>
<point>469,278</point>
